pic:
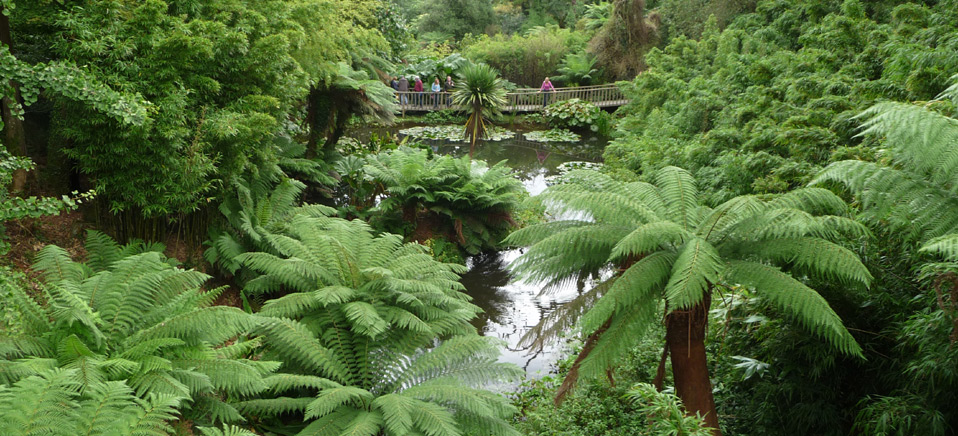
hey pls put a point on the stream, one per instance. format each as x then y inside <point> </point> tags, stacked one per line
<point>512,308</point>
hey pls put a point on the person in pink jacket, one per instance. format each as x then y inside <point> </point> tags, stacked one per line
<point>548,89</point>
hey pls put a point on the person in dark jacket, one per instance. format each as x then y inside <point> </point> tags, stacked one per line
<point>417,88</point>
<point>450,86</point>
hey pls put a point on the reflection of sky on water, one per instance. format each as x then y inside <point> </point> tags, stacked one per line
<point>513,308</point>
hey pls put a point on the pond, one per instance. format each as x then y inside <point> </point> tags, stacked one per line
<point>513,308</point>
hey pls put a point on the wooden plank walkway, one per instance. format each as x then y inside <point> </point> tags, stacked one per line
<point>519,100</point>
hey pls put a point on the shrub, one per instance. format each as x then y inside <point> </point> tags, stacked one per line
<point>358,334</point>
<point>576,114</point>
<point>526,59</point>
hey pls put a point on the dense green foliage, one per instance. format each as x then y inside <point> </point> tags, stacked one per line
<point>526,59</point>
<point>205,88</point>
<point>669,247</point>
<point>455,18</point>
<point>764,104</point>
<point>224,118</point>
<point>461,200</point>
<point>129,322</point>
<point>912,195</point>
<point>356,334</point>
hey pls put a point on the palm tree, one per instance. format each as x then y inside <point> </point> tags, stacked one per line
<point>481,92</point>
<point>667,247</point>
<point>357,334</point>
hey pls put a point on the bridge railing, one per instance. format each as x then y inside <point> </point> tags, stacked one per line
<point>518,100</point>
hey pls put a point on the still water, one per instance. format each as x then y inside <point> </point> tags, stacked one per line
<point>512,308</point>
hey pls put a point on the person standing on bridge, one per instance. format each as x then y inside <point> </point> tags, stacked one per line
<point>547,88</point>
<point>403,90</point>
<point>436,89</point>
<point>417,88</point>
<point>450,87</point>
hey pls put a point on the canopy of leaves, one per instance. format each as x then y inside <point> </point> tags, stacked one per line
<point>763,105</point>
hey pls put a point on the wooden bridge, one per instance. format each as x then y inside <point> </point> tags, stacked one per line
<point>519,100</point>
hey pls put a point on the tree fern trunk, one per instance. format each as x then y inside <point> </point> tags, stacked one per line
<point>685,337</point>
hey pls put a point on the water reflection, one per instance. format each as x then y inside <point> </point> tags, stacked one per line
<point>513,308</point>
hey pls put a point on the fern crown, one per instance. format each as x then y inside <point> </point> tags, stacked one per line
<point>668,246</point>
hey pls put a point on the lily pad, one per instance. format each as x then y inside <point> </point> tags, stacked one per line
<point>453,133</point>
<point>553,135</point>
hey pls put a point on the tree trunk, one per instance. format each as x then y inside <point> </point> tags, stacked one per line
<point>14,136</point>
<point>685,337</point>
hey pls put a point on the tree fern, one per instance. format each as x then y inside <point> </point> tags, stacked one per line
<point>137,319</point>
<point>916,193</point>
<point>464,201</point>
<point>263,206</point>
<point>666,247</point>
<point>357,333</point>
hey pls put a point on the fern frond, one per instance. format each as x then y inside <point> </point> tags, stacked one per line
<point>284,382</point>
<point>922,140</point>
<point>649,237</point>
<point>433,419</point>
<point>626,329</point>
<point>680,194</point>
<point>297,343</point>
<point>640,285</point>
<point>158,411</point>
<point>395,409</point>
<point>110,407</point>
<point>816,201</point>
<point>56,265</point>
<point>270,407</point>
<point>697,266</point>
<point>43,404</point>
<point>945,246</point>
<point>717,222</point>
<point>796,299</point>
<point>469,359</point>
<point>569,252</point>
<point>824,258</point>
<point>330,399</point>
<point>101,249</point>
<point>227,430</point>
